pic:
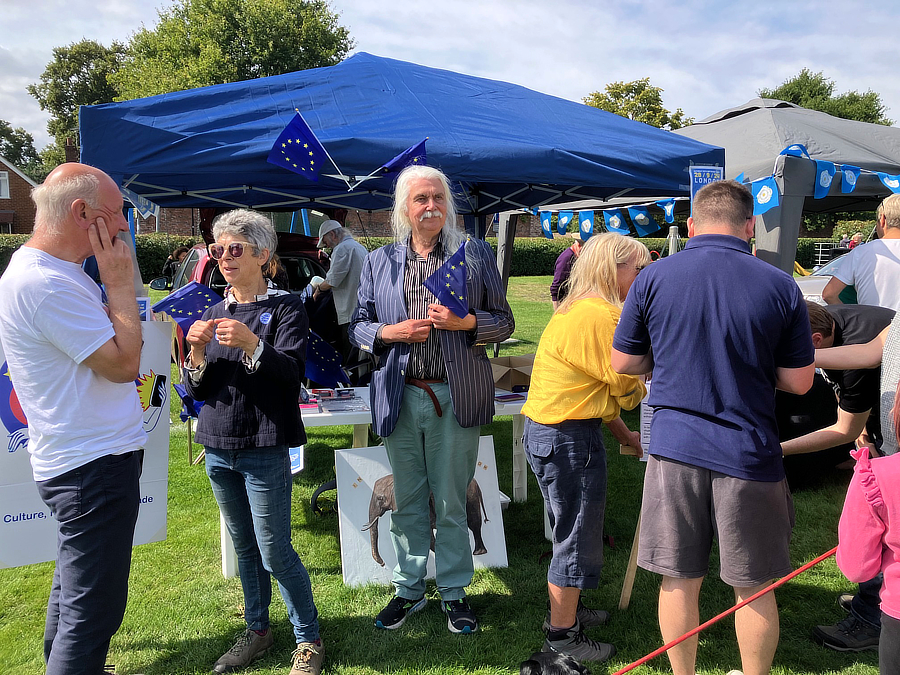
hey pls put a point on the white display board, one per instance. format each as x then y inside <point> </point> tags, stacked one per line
<point>27,529</point>
<point>359,469</point>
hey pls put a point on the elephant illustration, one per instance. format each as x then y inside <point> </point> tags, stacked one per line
<point>383,500</point>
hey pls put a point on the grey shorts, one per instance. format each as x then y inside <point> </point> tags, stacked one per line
<point>685,507</point>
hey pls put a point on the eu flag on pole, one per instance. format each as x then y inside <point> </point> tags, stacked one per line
<point>644,223</point>
<point>586,224</point>
<point>849,178</point>
<point>187,304</point>
<point>563,218</point>
<point>297,149</point>
<point>668,207</point>
<point>412,155</point>
<point>323,363</point>
<point>824,176</point>
<point>546,225</point>
<point>448,283</point>
<point>892,183</point>
<point>615,222</point>
<point>765,195</point>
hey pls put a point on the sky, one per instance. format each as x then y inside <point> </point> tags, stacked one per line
<point>706,55</point>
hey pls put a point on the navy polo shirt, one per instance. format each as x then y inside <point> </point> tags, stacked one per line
<point>719,322</point>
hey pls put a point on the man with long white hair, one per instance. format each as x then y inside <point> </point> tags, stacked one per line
<point>433,388</point>
<point>73,362</point>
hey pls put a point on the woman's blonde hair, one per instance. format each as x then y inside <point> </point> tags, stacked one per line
<point>594,273</point>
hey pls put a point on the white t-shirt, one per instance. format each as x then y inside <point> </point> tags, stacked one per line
<point>874,269</point>
<point>51,319</point>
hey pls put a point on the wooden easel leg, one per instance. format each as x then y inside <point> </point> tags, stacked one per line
<point>190,444</point>
<point>631,569</point>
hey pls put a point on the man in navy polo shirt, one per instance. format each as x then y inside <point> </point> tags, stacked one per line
<point>721,330</point>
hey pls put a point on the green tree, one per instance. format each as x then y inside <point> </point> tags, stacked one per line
<point>17,145</point>
<point>638,100</point>
<point>77,75</point>
<point>203,42</point>
<point>816,92</point>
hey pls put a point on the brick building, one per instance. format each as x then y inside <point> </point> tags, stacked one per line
<point>16,207</point>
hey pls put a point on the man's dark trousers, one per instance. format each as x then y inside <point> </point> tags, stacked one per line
<point>96,507</point>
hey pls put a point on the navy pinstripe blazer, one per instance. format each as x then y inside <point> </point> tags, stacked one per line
<point>381,301</point>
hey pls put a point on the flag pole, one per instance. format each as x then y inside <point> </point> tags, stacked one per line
<point>328,155</point>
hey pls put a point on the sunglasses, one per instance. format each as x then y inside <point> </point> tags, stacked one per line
<point>235,250</point>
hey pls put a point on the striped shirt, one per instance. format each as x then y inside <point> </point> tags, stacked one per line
<point>426,360</point>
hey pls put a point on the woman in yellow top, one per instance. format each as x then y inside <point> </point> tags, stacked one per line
<point>573,392</point>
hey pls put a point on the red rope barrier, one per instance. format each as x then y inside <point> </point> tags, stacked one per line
<point>732,610</point>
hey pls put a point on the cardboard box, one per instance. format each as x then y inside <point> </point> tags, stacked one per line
<point>512,371</point>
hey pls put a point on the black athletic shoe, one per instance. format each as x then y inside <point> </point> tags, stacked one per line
<point>460,617</point>
<point>587,617</point>
<point>849,635</point>
<point>397,610</point>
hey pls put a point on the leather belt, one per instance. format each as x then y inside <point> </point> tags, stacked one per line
<point>424,386</point>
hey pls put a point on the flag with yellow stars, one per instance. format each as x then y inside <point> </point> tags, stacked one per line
<point>323,363</point>
<point>186,305</point>
<point>448,283</point>
<point>414,155</point>
<point>297,149</point>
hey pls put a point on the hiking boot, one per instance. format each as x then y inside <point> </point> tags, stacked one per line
<point>397,610</point>
<point>849,635</point>
<point>587,617</point>
<point>307,658</point>
<point>845,601</point>
<point>248,647</point>
<point>578,645</point>
<point>460,617</point>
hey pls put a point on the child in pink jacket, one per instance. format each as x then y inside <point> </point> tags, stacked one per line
<point>869,538</point>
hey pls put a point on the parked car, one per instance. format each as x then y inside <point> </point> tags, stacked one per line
<point>813,285</point>
<point>298,253</point>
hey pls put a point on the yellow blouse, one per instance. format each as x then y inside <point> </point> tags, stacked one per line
<point>572,378</point>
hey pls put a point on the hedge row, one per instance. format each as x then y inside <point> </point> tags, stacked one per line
<point>531,257</point>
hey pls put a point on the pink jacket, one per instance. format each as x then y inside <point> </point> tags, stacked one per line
<point>869,531</point>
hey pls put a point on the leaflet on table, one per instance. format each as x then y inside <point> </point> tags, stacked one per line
<point>350,404</point>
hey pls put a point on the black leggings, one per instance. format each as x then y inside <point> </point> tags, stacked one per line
<point>889,646</point>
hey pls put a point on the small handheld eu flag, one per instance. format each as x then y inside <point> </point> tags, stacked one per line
<point>187,304</point>
<point>297,149</point>
<point>448,283</point>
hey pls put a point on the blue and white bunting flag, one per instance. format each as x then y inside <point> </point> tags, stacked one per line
<point>849,178</point>
<point>546,225</point>
<point>643,222</point>
<point>448,283</point>
<point>297,149</point>
<point>187,304</point>
<point>615,222</point>
<point>668,207</point>
<point>740,178</point>
<point>765,195</point>
<point>323,363</point>
<point>824,176</point>
<point>563,218</point>
<point>892,183</point>
<point>585,224</point>
<point>412,155</point>
<point>795,150</point>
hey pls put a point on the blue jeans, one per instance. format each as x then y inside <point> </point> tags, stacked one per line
<point>866,604</point>
<point>431,454</point>
<point>569,461</point>
<point>96,508</point>
<point>253,490</point>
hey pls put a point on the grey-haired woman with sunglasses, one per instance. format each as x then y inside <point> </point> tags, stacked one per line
<point>247,356</point>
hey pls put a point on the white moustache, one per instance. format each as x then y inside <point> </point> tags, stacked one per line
<point>430,214</point>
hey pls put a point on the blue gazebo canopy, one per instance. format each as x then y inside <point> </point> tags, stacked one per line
<point>506,146</point>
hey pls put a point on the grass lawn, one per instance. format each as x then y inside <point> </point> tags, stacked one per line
<point>182,614</point>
